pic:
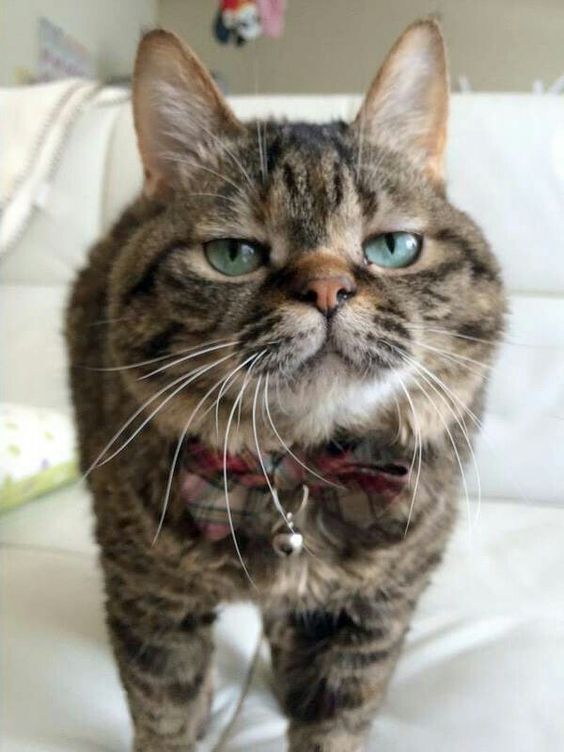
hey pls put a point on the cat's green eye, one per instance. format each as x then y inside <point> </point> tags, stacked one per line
<point>393,250</point>
<point>234,257</point>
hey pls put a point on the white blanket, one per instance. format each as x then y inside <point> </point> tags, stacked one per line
<point>34,124</point>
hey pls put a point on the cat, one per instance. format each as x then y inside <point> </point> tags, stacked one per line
<point>291,318</point>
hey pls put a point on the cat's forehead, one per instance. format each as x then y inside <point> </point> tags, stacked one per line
<point>299,186</point>
<point>311,182</point>
<point>310,139</point>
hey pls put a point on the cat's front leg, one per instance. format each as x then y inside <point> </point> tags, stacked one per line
<point>331,672</point>
<point>163,649</point>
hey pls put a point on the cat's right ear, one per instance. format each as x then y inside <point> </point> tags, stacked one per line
<point>177,108</point>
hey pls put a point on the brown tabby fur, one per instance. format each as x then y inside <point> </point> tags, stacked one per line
<point>336,616</point>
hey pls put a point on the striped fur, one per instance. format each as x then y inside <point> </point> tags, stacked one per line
<point>336,617</point>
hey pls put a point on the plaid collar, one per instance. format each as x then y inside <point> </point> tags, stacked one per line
<point>353,480</point>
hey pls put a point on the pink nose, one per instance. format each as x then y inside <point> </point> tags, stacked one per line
<point>328,293</point>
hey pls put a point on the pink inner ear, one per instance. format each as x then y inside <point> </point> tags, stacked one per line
<point>406,108</point>
<point>176,104</point>
<point>155,184</point>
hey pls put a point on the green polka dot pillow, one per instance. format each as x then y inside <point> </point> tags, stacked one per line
<point>37,452</point>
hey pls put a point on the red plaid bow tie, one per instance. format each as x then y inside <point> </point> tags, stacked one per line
<point>348,475</point>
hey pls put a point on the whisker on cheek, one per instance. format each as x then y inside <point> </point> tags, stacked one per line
<point>252,359</point>
<point>183,359</point>
<point>417,452</point>
<point>273,492</point>
<point>454,447</point>
<point>184,382</point>
<point>225,478</point>
<point>177,451</point>
<point>150,361</point>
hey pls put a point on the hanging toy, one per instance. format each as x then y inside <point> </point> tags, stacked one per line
<point>241,21</point>
<point>271,14</point>
<point>220,30</point>
<point>237,21</point>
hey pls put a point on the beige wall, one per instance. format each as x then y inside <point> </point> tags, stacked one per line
<point>109,29</point>
<point>328,46</point>
<point>336,45</point>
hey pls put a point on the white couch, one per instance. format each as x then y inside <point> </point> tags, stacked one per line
<point>483,670</point>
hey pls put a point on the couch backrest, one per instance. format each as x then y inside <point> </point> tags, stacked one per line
<point>506,168</point>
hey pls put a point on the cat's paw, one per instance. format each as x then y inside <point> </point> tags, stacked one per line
<point>310,739</point>
<point>151,743</point>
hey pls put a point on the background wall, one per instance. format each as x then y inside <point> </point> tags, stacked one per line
<point>336,45</point>
<point>109,29</point>
<point>329,46</point>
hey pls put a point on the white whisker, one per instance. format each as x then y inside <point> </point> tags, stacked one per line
<point>467,337</point>
<point>187,357</point>
<point>417,451</point>
<point>454,397</point>
<point>178,450</point>
<point>228,199</point>
<point>477,423</point>
<point>193,163</point>
<point>183,385</point>
<point>230,154</point>
<point>459,359</point>
<point>129,422</point>
<point>398,411</point>
<point>225,479</point>
<point>227,383</point>
<point>141,363</point>
<point>261,158</point>
<point>278,399</point>
<point>274,493</point>
<point>246,379</point>
<point>460,422</point>
<point>360,142</point>
<point>286,447</point>
<point>456,453</point>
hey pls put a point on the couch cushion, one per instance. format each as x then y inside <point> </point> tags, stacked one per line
<point>32,353</point>
<point>519,451</point>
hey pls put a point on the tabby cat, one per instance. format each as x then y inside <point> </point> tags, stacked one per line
<point>278,360</point>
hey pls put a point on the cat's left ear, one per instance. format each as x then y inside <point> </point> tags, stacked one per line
<point>406,108</point>
<point>178,109</point>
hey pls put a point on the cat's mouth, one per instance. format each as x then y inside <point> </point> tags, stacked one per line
<point>329,354</point>
<point>329,348</point>
<point>316,351</point>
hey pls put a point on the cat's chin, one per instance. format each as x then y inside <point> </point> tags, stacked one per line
<point>329,398</point>
<point>327,362</point>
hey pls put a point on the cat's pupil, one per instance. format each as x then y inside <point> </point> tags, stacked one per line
<point>390,241</point>
<point>233,249</point>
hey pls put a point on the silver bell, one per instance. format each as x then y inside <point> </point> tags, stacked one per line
<point>288,544</point>
<point>291,541</point>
